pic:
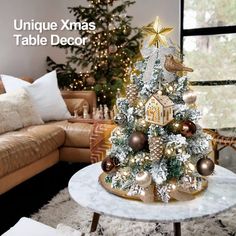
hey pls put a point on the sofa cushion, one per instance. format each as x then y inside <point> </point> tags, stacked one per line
<point>44,93</point>
<point>17,111</point>
<point>76,134</point>
<point>21,148</point>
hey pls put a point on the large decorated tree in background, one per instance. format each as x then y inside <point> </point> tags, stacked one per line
<point>159,152</point>
<point>109,54</point>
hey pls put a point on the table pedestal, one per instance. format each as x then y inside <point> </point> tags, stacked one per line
<point>94,224</point>
<point>96,216</point>
<point>177,229</point>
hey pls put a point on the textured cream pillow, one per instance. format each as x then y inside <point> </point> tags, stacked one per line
<point>17,111</point>
<point>45,95</point>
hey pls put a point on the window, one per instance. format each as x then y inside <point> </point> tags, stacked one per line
<point>208,40</point>
<point>208,44</point>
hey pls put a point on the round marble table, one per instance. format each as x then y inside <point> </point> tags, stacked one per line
<point>87,192</point>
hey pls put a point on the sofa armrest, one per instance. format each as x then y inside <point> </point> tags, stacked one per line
<point>89,96</point>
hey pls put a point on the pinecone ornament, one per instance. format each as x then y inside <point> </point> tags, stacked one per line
<point>132,93</point>
<point>156,148</point>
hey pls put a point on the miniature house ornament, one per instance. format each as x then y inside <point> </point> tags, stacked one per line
<point>159,110</point>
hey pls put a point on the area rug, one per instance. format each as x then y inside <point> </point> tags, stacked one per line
<point>64,211</point>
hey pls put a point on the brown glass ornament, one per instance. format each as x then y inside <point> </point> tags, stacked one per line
<point>175,126</point>
<point>137,141</point>
<point>188,128</point>
<point>107,164</point>
<point>205,166</point>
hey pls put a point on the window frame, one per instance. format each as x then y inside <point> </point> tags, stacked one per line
<point>204,31</point>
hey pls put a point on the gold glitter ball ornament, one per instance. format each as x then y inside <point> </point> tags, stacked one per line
<point>169,151</point>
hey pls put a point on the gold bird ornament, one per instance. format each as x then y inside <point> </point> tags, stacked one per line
<point>172,65</point>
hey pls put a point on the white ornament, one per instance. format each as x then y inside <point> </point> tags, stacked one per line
<point>143,179</point>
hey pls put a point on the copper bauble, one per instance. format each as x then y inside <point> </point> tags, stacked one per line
<point>188,128</point>
<point>107,164</point>
<point>137,141</point>
<point>189,97</point>
<point>143,179</point>
<point>205,166</point>
<point>175,126</point>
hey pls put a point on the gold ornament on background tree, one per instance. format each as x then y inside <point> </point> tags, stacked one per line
<point>156,147</point>
<point>189,97</point>
<point>112,48</point>
<point>132,93</point>
<point>90,81</point>
<point>157,33</point>
<point>173,65</point>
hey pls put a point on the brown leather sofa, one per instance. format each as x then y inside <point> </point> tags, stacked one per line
<point>28,151</point>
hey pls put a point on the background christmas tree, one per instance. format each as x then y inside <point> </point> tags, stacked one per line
<point>158,149</point>
<point>107,56</point>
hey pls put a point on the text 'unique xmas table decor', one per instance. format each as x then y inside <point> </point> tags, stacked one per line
<point>159,152</point>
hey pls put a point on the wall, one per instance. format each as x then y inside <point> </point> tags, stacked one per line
<point>30,61</point>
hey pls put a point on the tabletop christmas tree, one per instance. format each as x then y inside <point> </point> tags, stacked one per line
<point>159,152</point>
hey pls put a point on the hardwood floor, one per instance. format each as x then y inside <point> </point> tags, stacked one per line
<point>31,195</point>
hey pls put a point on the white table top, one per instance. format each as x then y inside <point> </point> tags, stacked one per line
<point>87,192</point>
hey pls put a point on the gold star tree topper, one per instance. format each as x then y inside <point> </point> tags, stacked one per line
<point>157,33</point>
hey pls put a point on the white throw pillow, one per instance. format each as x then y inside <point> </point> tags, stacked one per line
<point>17,111</point>
<point>44,93</point>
